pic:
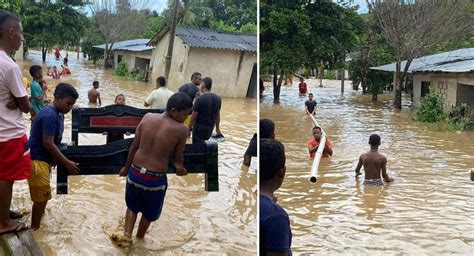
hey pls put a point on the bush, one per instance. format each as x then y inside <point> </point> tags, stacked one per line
<point>121,70</point>
<point>459,120</point>
<point>431,109</point>
<point>329,74</point>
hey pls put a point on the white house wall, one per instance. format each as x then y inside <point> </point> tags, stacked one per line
<point>129,57</point>
<point>176,77</point>
<point>417,79</point>
<point>230,70</point>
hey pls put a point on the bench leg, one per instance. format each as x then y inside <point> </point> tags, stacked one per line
<point>61,181</point>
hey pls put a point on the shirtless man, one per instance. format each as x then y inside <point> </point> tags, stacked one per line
<point>94,94</point>
<point>375,164</point>
<point>157,137</point>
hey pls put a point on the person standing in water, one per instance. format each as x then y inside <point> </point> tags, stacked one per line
<point>94,95</point>
<point>375,164</point>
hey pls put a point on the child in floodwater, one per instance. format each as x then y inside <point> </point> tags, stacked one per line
<point>375,164</point>
<point>46,135</point>
<point>94,95</point>
<point>111,137</point>
<point>157,137</point>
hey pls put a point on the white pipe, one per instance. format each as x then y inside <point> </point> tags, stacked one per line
<point>318,154</point>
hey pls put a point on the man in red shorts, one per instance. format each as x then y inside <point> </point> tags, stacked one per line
<point>14,150</point>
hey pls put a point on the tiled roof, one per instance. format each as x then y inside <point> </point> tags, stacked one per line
<point>135,45</point>
<point>458,61</point>
<point>209,38</point>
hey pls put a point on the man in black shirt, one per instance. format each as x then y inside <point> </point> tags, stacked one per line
<point>267,131</point>
<point>206,113</point>
<point>193,87</point>
<point>310,105</point>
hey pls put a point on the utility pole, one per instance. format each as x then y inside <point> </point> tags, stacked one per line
<point>171,40</point>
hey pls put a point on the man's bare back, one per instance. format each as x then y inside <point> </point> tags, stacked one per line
<point>94,95</point>
<point>159,136</point>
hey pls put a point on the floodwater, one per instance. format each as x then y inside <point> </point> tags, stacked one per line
<point>192,221</point>
<point>428,210</point>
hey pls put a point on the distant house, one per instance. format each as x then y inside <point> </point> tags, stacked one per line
<point>230,59</point>
<point>450,74</point>
<point>136,55</point>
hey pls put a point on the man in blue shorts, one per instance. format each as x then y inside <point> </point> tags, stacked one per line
<point>157,137</point>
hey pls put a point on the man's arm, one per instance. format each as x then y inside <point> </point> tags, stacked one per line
<point>149,100</point>
<point>98,97</point>
<point>193,119</point>
<point>179,153</point>
<point>21,103</point>
<point>359,165</point>
<point>247,160</point>
<point>312,149</point>
<point>218,122</point>
<point>133,149</point>
<point>306,109</point>
<point>53,150</point>
<point>385,176</point>
<point>328,147</point>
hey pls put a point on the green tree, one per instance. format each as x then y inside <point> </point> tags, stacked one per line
<point>51,24</point>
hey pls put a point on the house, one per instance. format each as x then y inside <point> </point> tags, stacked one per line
<point>136,55</point>
<point>450,74</point>
<point>230,59</point>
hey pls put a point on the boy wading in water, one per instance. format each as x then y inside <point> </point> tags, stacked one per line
<point>157,137</point>
<point>374,163</point>
<point>94,95</point>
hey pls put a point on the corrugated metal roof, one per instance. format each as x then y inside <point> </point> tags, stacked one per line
<point>457,61</point>
<point>209,38</point>
<point>135,45</point>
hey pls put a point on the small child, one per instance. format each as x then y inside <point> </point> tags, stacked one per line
<point>37,92</point>
<point>310,105</point>
<point>157,137</point>
<point>46,135</point>
<point>111,137</point>
<point>94,94</point>
<point>375,164</point>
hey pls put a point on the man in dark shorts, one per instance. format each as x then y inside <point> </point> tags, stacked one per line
<point>275,231</point>
<point>310,105</point>
<point>206,113</point>
<point>192,88</point>
<point>267,131</point>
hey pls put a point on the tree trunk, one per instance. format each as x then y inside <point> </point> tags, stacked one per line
<point>397,87</point>
<point>363,85</point>
<point>375,92</point>
<point>78,50</point>
<point>44,50</point>
<point>321,72</point>
<point>276,88</point>
<point>342,80</point>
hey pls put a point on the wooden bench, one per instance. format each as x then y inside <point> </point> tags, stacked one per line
<point>109,158</point>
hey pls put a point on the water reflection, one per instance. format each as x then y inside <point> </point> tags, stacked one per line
<point>427,210</point>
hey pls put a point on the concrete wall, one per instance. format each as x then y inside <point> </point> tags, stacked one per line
<point>129,57</point>
<point>230,70</point>
<point>178,62</point>
<point>417,79</point>
<point>444,84</point>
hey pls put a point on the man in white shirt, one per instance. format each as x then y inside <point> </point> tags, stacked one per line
<point>159,97</point>
<point>14,151</point>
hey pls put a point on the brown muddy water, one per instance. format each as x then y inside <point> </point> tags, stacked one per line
<point>192,221</point>
<point>428,210</point>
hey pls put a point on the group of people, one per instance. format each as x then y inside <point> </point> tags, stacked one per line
<point>275,228</point>
<point>158,136</point>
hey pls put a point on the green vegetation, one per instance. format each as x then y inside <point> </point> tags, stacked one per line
<point>305,34</point>
<point>329,74</point>
<point>431,111</point>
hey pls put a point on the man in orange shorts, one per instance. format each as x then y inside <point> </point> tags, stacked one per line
<point>14,149</point>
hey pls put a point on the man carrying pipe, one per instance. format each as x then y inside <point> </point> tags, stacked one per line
<point>318,146</point>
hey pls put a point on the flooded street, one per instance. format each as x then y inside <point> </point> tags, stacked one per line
<point>192,221</point>
<point>428,210</point>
